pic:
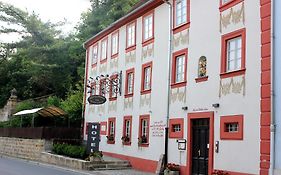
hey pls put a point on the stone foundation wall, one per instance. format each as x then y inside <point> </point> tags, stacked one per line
<point>23,148</point>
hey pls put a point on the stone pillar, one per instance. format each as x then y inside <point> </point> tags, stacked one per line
<point>10,107</point>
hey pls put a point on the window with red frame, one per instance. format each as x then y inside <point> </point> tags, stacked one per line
<point>179,68</point>
<point>103,50</point>
<point>113,88</point>
<point>114,43</point>
<point>111,131</point>
<point>233,53</point>
<point>176,128</point>
<point>148,22</point>
<point>131,34</point>
<point>102,87</point>
<point>180,12</point>
<point>129,89</point>
<point>95,54</point>
<point>127,130</point>
<point>231,127</point>
<point>143,139</point>
<point>146,77</point>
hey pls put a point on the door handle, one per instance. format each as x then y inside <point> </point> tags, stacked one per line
<point>199,153</point>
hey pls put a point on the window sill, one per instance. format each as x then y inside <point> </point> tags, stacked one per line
<point>94,65</point>
<point>112,98</point>
<point>128,95</point>
<point>144,145</point>
<point>177,85</point>
<point>111,142</point>
<point>229,4</point>
<point>145,92</point>
<point>176,135</point>
<point>148,41</point>
<point>201,79</point>
<point>232,73</point>
<point>114,56</point>
<point>127,143</point>
<point>130,48</point>
<point>181,27</point>
<point>103,61</point>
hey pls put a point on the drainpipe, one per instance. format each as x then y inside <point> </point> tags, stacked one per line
<point>272,96</point>
<point>169,80</point>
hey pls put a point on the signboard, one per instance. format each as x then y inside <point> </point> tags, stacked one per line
<point>96,99</point>
<point>93,137</point>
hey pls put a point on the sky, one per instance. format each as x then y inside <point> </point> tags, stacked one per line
<point>53,10</point>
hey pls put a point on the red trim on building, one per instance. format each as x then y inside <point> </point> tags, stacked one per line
<point>224,135</point>
<point>229,4</point>
<point>265,101</point>
<point>144,117</point>
<point>103,124</point>
<point>103,60</point>
<point>132,70</point>
<point>124,21</point>
<point>124,129</point>
<point>182,52</point>
<point>137,163</point>
<point>133,46</point>
<point>184,26</point>
<point>144,66</point>
<point>114,55</point>
<point>201,79</point>
<point>112,119</point>
<point>151,39</point>
<point>200,115</point>
<point>176,121</point>
<point>225,38</point>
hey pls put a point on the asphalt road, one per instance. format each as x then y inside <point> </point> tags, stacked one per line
<point>11,166</point>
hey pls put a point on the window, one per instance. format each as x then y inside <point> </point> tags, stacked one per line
<point>103,50</point>
<point>94,55</point>
<point>103,126</point>
<point>114,44</point>
<point>176,128</point>
<point>146,78</point>
<point>113,88</point>
<point>179,68</point>
<point>181,9</point>
<point>143,139</point>
<point>231,127</point>
<point>131,35</point>
<point>233,54</point>
<point>148,28</point>
<point>111,131</point>
<point>127,130</point>
<point>129,89</point>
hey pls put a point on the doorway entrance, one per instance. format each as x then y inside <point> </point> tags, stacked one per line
<point>200,143</point>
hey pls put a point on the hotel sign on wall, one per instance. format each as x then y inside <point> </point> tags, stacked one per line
<point>158,128</point>
<point>96,99</point>
<point>93,137</point>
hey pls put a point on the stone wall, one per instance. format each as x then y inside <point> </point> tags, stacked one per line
<point>23,148</point>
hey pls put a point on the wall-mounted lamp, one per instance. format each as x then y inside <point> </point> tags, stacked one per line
<point>185,108</point>
<point>216,105</point>
<point>217,146</point>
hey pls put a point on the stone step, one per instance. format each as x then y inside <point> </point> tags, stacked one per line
<point>110,165</point>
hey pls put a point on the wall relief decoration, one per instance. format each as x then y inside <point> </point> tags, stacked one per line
<point>233,16</point>
<point>130,57</point>
<point>145,100</point>
<point>231,85</point>
<point>128,103</point>
<point>178,94</point>
<point>94,71</point>
<point>181,38</point>
<point>112,106</point>
<point>101,108</point>
<point>114,63</point>
<point>147,51</point>
<point>103,67</point>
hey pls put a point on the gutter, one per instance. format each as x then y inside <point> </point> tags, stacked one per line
<point>272,94</point>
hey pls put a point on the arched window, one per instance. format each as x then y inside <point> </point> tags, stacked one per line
<point>202,67</point>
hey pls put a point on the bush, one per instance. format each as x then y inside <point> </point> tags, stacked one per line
<point>70,150</point>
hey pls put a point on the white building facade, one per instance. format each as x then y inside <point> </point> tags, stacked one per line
<point>210,85</point>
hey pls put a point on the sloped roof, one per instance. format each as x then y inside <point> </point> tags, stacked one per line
<point>51,111</point>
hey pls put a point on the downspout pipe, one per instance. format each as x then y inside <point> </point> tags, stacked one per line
<point>272,94</point>
<point>169,80</point>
